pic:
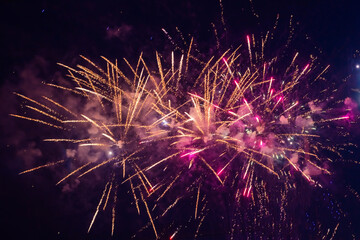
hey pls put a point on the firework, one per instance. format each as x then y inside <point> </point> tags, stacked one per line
<point>242,128</point>
<point>247,129</point>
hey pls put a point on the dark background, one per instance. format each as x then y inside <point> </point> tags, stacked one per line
<point>35,35</point>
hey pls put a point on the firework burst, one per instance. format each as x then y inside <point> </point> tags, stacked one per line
<point>243,123</point>
<point>244,128</point>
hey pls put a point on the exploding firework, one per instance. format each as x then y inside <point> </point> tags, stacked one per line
<point>247,131</point>
<point>239,127</point>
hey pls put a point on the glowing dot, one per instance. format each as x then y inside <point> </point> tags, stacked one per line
<point>357,66</point>
<point>244,191</point>
<point>248,39</point>
<point>172,236</point>
<point>110,153</point>
<point>232,113</point>
<point>306,67</point>
<point>236,83</point>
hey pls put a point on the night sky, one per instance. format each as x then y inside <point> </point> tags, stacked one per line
<point>36,35</point>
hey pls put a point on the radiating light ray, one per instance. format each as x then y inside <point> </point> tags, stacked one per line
<point>135,198</point>
<point>37,120</point>
<point>97,166</point>
<point>193,153</point>
<point>197,202</point>
<point>94,144</point>
<point>149,214</point>
<point>109,137</point>
<point>249,47</point>
<point>90,120</point>
<point>212,170</point>
<point>33,101</point>
<point>44,113</point>
<point>335,229</point>
<point>59,105</point>
<point>42,166</point>
<point>113,212</point>
<point>65,88</point>
<point>333,119</point>
<point>171,206</point>
<point>98,207</point>
<point>299,134</point>
<point>73,172</point>
<point>67,140</point>
<point>93,92</point>
<point>108,195</point>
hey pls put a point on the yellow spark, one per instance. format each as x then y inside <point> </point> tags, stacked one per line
<point>97,208</point>
<point>298,134</point>
<point>37,120</point>
<point>73,172</point>
<point>42,166</point>
<point>148,212</point>
<point>332,119</point>
<point>93,92</point>
<point>32,100</point>
<point>109,137</point>
<point>108,195</point>
<point>113,212</point>
<point>135,198</point>
<point>94,144</point>
<point>97,166</point>
<point>90,120</point>
<point>197,201</point>
<point>67,140</point>
<point>171,206</point>
<point>212,170</point>
<point>169,186</point>
<point>59,105</point>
